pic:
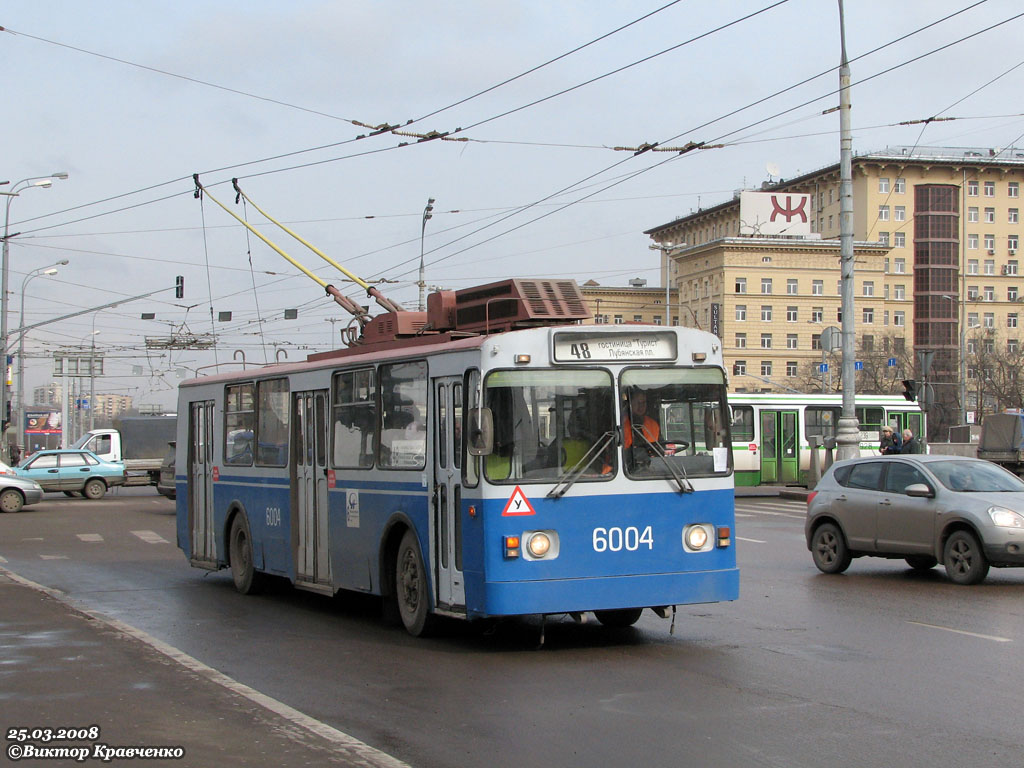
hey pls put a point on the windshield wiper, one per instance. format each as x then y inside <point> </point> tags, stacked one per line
<point>571,475</point>
<point>681,480</point>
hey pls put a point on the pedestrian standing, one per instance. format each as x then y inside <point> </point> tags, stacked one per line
<point>890,442</point>
<point>910,443</point>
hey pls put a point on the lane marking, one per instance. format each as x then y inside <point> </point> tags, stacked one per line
<point>994,638</point>
<point>741,514</point>
<point>755,541</point>
<point>53,557</point>
<point>151,537</point>
<point>92,537</point>
<point>775,514</point>
<point>358,752</point>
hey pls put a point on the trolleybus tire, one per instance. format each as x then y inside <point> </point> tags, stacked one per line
<point>921,562</point>
<point>243,571</point>
<point>625,617</point>
<point>94,489</point>
<point>411,587</point>
<point>11,501</point>
<point>829,550</point>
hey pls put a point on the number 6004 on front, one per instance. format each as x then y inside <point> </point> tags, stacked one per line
<point>617,539</point>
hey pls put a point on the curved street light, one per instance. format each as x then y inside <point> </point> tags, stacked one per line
<point>48,271</point>
<point>19,186</point>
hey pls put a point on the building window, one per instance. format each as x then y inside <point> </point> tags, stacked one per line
<point>990,320</point>
<point>901,186</point>
<point>638,318</point>
<point>899,318</point>
<point>792,341</point>
<point>1011,320</point>
<point>990,215</point>
<point>766,341</point>
<point>883,186</point>
<point>899,266</point>
<point>741,285</point>
<point>972,242</point>
<point>657,319</point>
<point>792,287</point>
<point>990,242</point>
<point>739,368</point>
<point>899,292</point>
<point>1011,242</point>
<point>899,213</point>
<point>766,368</point>
<point>817,287</point>
<point>791,314</point>
<point>867,343</point>
<point>741,341</point>
<point>766,285</point>
<point>618,319</point>
<point>868,288</point>
<point>741,311</point>
<point>972,189</point>
<point>817,314</point>
<point>990,266</point>
<point>766,313</point>
<point>972,266</point>
<point>815,341</point>
<point>972,320</point>
<point>883,238</point>
<point>1013,215</point>
<point>1012,346</point>
<point>868,316</point>
<point>1013,189</point>
<point>883,213</point>
<point>990,189</point>
<point>972,214</point>
<point>791,368</point>
<point>989,293</point>
<point>1011,293</point>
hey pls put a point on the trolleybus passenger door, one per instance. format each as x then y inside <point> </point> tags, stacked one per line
<point>309,484</point>
<point>200,483</point>
<point>780,455</point>
<point>446,503</point>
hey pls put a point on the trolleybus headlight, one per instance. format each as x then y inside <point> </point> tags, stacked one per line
<point>540,545</point>
<point>697,538</point>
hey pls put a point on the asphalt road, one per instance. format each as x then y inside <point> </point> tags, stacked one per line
<point>880,666</point>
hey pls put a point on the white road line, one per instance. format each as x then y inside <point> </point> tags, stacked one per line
<point>151,537</point>
<point>53,557</point>
<point>775,514</point>
<point>741,514</point>
<point>755,541</point>
<point>91,537</point>
<point>994,638</point>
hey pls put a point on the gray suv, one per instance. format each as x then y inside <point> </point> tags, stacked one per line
<point>966,513</point>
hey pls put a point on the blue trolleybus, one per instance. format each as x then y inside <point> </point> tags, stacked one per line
<point>473,467</point>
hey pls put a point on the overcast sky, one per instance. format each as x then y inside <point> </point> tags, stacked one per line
<point>131,98</point>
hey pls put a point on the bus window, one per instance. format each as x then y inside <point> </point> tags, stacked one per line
<point>403,397</point>
<point>354,423</point>
<point>546,423</point>
<point>870,419</point>
<point>683,420</point>
<point>239,424</point>
<point>742,424</point>
<point>819,420</point>
<point>272,423</point>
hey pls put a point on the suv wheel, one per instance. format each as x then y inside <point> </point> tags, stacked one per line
<point>965,562</point>
<point>829,550</point>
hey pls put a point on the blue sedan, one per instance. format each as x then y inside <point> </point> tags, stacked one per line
<point>72,471</point>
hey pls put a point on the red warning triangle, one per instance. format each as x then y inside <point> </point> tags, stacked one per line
<point>518,504</point>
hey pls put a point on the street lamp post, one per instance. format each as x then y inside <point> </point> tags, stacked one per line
<point>32,181</point>
<point>427,214</point>
<point>50,270</point>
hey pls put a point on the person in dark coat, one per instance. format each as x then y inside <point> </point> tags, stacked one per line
<point>910,443</point>
<point>891,442</point>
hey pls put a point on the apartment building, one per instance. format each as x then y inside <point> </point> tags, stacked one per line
<point>937,234</point>
<point>633,303</point>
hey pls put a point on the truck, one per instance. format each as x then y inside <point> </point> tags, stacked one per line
<point>1002,441</point>
<point>139,442</point>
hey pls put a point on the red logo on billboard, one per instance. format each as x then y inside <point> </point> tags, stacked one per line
<point>789,211</point>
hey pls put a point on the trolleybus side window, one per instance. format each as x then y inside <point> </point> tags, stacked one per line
<point>471,464</point>
<point>239,424</point>
<point>403,396</point>
<point>820,421</point>
<point>549,422</point>
<point>674,420</point>
<point>870,419</point>
<point>742,423</point>
<point>272,423</point>
<point>354,424</point>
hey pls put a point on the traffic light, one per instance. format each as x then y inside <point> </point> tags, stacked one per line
<point>910,388</point>
<point>179,287</point>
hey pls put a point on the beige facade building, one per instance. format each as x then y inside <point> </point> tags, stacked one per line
<point>633,303</point>
<point>937,267</point>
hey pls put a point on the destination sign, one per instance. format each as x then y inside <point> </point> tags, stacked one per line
<point>579,347</point>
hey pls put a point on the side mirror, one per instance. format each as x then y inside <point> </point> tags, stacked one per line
<point>920,490</point>
<point>481,432</point>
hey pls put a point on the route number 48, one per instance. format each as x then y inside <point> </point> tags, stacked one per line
<point>616,539</point>
<point>580,351</point>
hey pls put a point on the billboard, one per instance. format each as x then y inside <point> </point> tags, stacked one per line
<point>775,213</point>
<point>42,423</point>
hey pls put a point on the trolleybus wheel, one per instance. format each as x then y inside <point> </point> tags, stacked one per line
<point>247,580</point>
<point>625,617</point>
<point>94,489</point>
<point>411,586</point>
<point>11,501</point>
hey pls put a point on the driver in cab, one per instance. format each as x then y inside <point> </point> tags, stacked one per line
<point>637,421</point>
